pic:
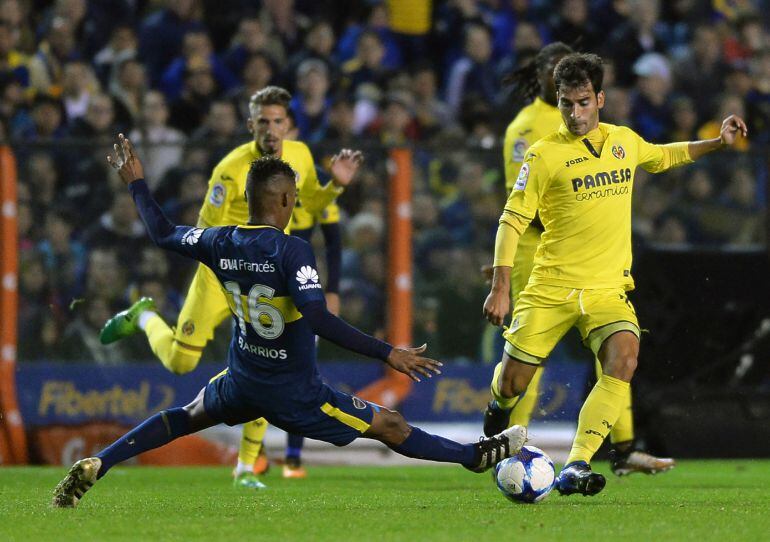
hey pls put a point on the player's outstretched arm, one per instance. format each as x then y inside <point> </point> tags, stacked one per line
<point>407,361</point>
<point>732,126</point>
<point>335,329</point>
<point>163,232</point>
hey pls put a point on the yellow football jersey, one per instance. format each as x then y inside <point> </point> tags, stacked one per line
<point>533,122</point>
<point>582,192</point>
<point>225,203</point>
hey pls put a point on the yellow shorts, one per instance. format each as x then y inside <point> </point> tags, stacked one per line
<point>204,309</point>
<point>524,261</point>
<point>544,313</point>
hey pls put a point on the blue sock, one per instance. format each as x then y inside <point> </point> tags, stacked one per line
<point>154,432</point>
<point>422,445</point>
<point>294,445</point>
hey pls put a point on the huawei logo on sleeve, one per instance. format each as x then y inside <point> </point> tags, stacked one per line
<point>306,275</point>
<point>192,236</point>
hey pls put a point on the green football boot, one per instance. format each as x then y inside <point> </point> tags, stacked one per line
<point>126,322</point>
<point>248,480</point>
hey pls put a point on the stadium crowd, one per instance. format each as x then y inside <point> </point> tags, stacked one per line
<point>176,77</point>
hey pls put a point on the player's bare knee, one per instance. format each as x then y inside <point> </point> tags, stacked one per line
<point>391,427</point>
<point>622,366</point>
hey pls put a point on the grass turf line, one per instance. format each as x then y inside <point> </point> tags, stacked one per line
<point>699,500</point>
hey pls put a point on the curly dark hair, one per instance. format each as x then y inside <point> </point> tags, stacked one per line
<point>524,80</point>
<point>577,69</point>
<point>270,95</point>
<point>266,168</point>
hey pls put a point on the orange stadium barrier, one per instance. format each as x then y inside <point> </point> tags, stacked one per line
<point>392,388</point>
<point>60,445</point>
<point>13,442</point>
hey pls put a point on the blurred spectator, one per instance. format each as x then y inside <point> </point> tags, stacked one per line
<point>196,45</point>
<point>473,75</point>
<point>218,131</point>
<point>750,38</point>
<point>43,178</point>
<point>397,125</point>
<point>38,332</point>
<point>78,84</point>
<point>80,340</point>
<point>758,99</point>
<point>98,121</point>
<point>46,120</point>
<point>319,45</point>
<point>723,107</point>
<point>13,103</point>
<point>161,34</point>
<point>64,257</point>
<point>128,89</point>
<point>409,22</point>
<point>200,89</point>
<point>161,146</point>
<point>743,220</point>
<point>25,222</point>
<point>639,34</point>
<point>12,61</point>
<point>432,114</point>
<point>378,24</point>
<point>251,39</point>
<point>46,66</point>
<point>341,119</point>
<point>702,73</point>
<point>367,66</point>
<point>311,102</point>
<point>258,72</point>
<point>650,110</point>
<point>574,26</point>
<point>617,106</point>
<point>279,18</point>
<point>119,229</point>
<point>121,47</point>
<point>685,119</point>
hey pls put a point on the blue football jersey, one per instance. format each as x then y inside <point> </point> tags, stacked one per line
<point>267,276</point>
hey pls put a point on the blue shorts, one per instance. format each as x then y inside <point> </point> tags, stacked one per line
<point>333,416</point>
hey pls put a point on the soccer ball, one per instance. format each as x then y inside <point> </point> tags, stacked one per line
<point>526,477</point>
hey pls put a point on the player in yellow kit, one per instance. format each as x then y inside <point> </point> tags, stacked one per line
<point>205,307</point>
<point>579,180</point>
<point>538,119</point>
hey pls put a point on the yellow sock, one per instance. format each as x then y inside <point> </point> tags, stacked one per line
<point>251,441</point>
<point>598,415</point>
<point>175,357</point>
<point>502,402</point>
<point>623,430</point>
<point>522,411</point>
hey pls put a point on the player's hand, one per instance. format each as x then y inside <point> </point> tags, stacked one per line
<point>333,303</point>
<point>125,161</point>
<point>731,127</point>
<point>345,165</point>
<point>496,306</point>
<point>488,271</point>
<point>407,361</point>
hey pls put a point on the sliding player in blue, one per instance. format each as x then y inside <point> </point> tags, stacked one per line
<point>273,290</point>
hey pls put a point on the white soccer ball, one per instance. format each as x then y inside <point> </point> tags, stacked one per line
<point>526,477</point>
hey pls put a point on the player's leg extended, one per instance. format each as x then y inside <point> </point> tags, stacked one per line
<point>251,460</point>
<point>390,428</point>
<point>205,307</point>
<point>541,317</point>
<point>154,432</point>
<point>523,263</point>
<point>609,327</point>
<point>624,459</point>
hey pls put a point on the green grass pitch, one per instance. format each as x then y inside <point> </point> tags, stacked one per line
<point>699,500</point>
